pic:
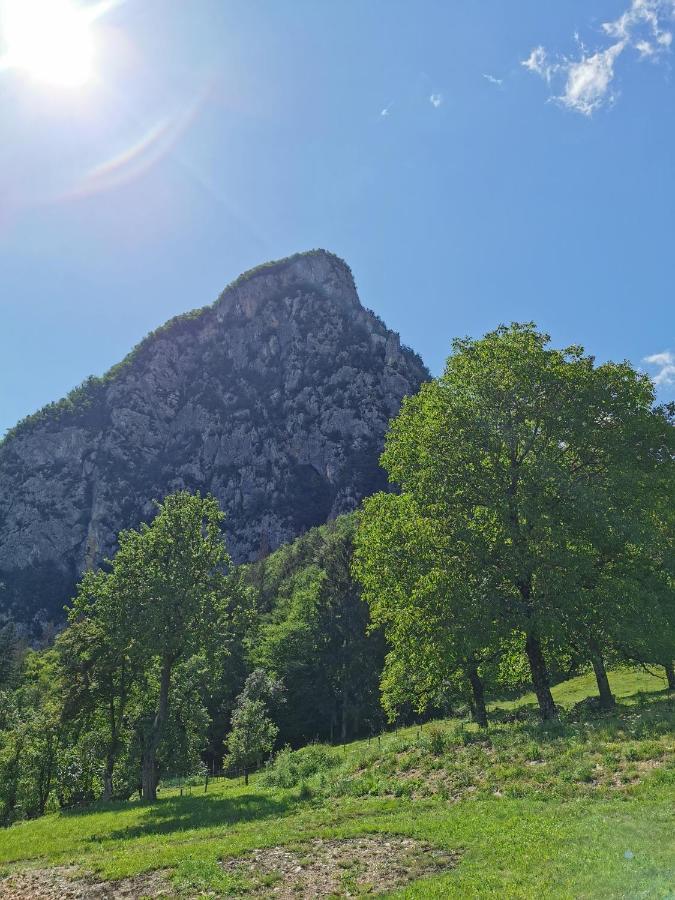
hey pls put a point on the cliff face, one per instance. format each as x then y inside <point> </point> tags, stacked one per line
<point>275,399</point>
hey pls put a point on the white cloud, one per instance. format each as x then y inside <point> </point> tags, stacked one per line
<point>661,359</point>
<point>644,48</point>
<point>538,63</point>
<point>587,81</point>
<point>665,363</point>
<point>384,112</point>
<point>436,100</point>
<point>491,78</point>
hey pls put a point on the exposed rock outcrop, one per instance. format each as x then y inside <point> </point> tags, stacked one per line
<point>275,399</point>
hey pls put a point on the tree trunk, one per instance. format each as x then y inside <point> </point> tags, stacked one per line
<point>148,779</point>
<point>149,762</point>
<point>110,756</point>
<point>108,780</point>
<point>46,773</point>
<point>607,700</point>
<point>344,719</point>
<point>478,710</point>
<point>540,680</point>
<point>670,674</point>
<point>246,777</point>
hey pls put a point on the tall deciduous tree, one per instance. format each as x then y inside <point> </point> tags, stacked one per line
<point>172,576</point>
<point>101,660</point>
<point>532,460</point>
<point>422,589</point>
<point>167,591</point>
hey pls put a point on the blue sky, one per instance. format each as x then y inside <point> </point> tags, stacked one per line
<point>464,187</point>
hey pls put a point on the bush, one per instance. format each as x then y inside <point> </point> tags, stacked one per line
<point>291,767</point>
<point>435,741</point>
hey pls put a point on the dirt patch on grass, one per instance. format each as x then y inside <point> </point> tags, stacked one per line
<point>630,773</point>
<point>62,883</point>
<point>338,868</point>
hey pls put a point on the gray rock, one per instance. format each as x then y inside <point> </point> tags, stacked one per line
<point>275,399</point>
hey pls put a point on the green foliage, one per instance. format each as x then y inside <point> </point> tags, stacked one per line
<point>163,602</point>
<point>121,698</point>
<point>30,729</point>
<point>435,741</point>
<point>314,636</point>
<point>253,732</point>
<point>252,736</point>
<point>519,812</point>
<point>292,767</point>
<point>531,492</point>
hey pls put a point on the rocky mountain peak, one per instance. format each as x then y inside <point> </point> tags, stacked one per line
<point>318,268</point>
<point>275,399</point>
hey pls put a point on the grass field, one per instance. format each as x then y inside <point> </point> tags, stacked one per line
<point>580,808</point>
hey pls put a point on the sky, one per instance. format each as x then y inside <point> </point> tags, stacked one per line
<point>476,162</point>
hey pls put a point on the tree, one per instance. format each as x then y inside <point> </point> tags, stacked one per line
<point>262,686</point>
<point>316,636</point>
<point>253,732</point>
<point>101,660</point>
<point>30,739</point>
<point>532,460</point>
<point>421,590</point>
<point>171,576</point>
<point>626,599</point>
<point>228,663</point>
<point>163,601</point>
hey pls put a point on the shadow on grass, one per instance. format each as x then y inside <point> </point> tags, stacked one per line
<point>644,714</point>
<point>186,813</point>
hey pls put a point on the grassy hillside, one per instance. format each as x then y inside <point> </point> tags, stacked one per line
<point>580,808</point>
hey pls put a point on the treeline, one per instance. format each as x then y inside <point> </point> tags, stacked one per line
<point>161,670</point>
<point>528,534</point>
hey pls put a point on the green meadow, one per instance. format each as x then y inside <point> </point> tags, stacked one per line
<point>582,807</point>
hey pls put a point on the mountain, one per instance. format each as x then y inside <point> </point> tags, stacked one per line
<point>275,399</point>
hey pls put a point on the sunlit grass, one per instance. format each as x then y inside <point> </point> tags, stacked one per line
<point>627,685</point>
<point>584,808</point>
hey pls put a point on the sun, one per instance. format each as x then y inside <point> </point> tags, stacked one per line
<point>48,40</point>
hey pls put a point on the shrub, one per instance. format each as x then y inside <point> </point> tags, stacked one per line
<point>291,767</point>
<point>435,741</point>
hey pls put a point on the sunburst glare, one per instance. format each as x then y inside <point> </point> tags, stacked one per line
<point>48,40</point>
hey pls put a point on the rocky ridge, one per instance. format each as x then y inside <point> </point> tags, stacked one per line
<point>275,399</point>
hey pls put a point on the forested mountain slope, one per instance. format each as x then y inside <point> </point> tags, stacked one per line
<point>275,399</point>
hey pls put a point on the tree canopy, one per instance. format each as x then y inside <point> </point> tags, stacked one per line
<point>532,476</point>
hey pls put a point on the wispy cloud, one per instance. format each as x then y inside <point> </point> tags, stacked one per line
<point>436,100</point>
<point>587,80</point>
<point>493,80</point>
<point>538,63</point>
<point>665,366</point>
<point>386,110</point>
